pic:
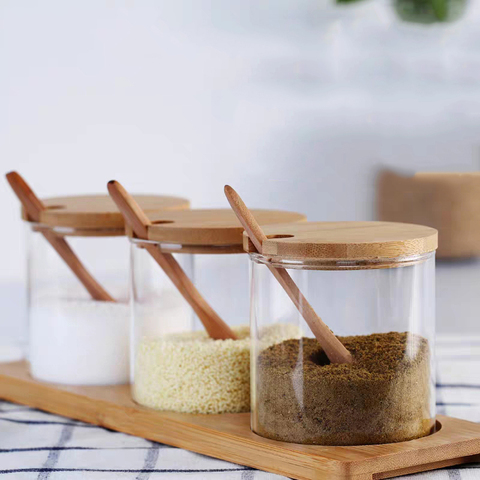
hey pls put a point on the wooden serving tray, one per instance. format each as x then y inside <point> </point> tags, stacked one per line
<point>229,437</point>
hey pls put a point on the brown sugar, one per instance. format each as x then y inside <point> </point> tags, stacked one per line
<point>382,397</point>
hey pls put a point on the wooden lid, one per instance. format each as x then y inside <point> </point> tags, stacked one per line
<point>218,227</point>
<point>346,240</point>
<point>99,211</point>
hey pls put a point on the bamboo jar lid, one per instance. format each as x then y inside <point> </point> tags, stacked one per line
<point>209,228</point>
<point>97,212</point>
<point>346,240</point>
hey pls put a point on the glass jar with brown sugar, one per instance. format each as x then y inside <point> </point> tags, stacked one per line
<point>373,284</point>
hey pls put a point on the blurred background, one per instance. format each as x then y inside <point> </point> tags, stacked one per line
<point>297,104</point>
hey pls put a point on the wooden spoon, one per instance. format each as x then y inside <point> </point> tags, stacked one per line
<point>33,207</point>
<point>139,222</point>
<point>334,349</point>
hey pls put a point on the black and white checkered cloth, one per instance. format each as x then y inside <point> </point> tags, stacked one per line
<point>37,445</point>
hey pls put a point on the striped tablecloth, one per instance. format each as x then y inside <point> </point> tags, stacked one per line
<point>37,445</point>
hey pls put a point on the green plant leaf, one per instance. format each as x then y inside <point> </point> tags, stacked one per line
<point>430,11</point>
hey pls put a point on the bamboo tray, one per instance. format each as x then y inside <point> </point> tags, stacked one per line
<point>228,437</point>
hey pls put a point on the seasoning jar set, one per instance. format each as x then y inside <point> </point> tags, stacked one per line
<point>191,348</point>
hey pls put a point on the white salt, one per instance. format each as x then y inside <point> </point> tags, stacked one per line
<point>79,342</point>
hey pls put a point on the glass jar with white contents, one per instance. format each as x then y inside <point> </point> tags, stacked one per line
<point>78,289</point>
<point>176,365</point>
<point>373,284</point>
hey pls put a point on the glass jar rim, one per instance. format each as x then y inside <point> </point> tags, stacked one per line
<point>167,247</point>
<point>338,263</point>
<point>77,232</point>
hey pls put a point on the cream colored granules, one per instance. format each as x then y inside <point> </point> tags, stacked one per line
<point>192,373</point>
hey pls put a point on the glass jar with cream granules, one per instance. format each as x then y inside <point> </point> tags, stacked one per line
<point>181,368</point>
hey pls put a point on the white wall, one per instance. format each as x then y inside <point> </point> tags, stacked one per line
<point>295,103</point>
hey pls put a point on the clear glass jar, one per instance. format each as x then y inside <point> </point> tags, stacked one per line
<point>222,275</point>
<point>175,365</point>
<point>72,338</point>
<point>158,308</point>
<point>384,313</point>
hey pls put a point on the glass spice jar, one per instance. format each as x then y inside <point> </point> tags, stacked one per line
<point>73,338</point>
<point>373,284</point>
<point>175,365</point>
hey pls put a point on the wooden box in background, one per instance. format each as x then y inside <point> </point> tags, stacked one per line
<point>449,202</point>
